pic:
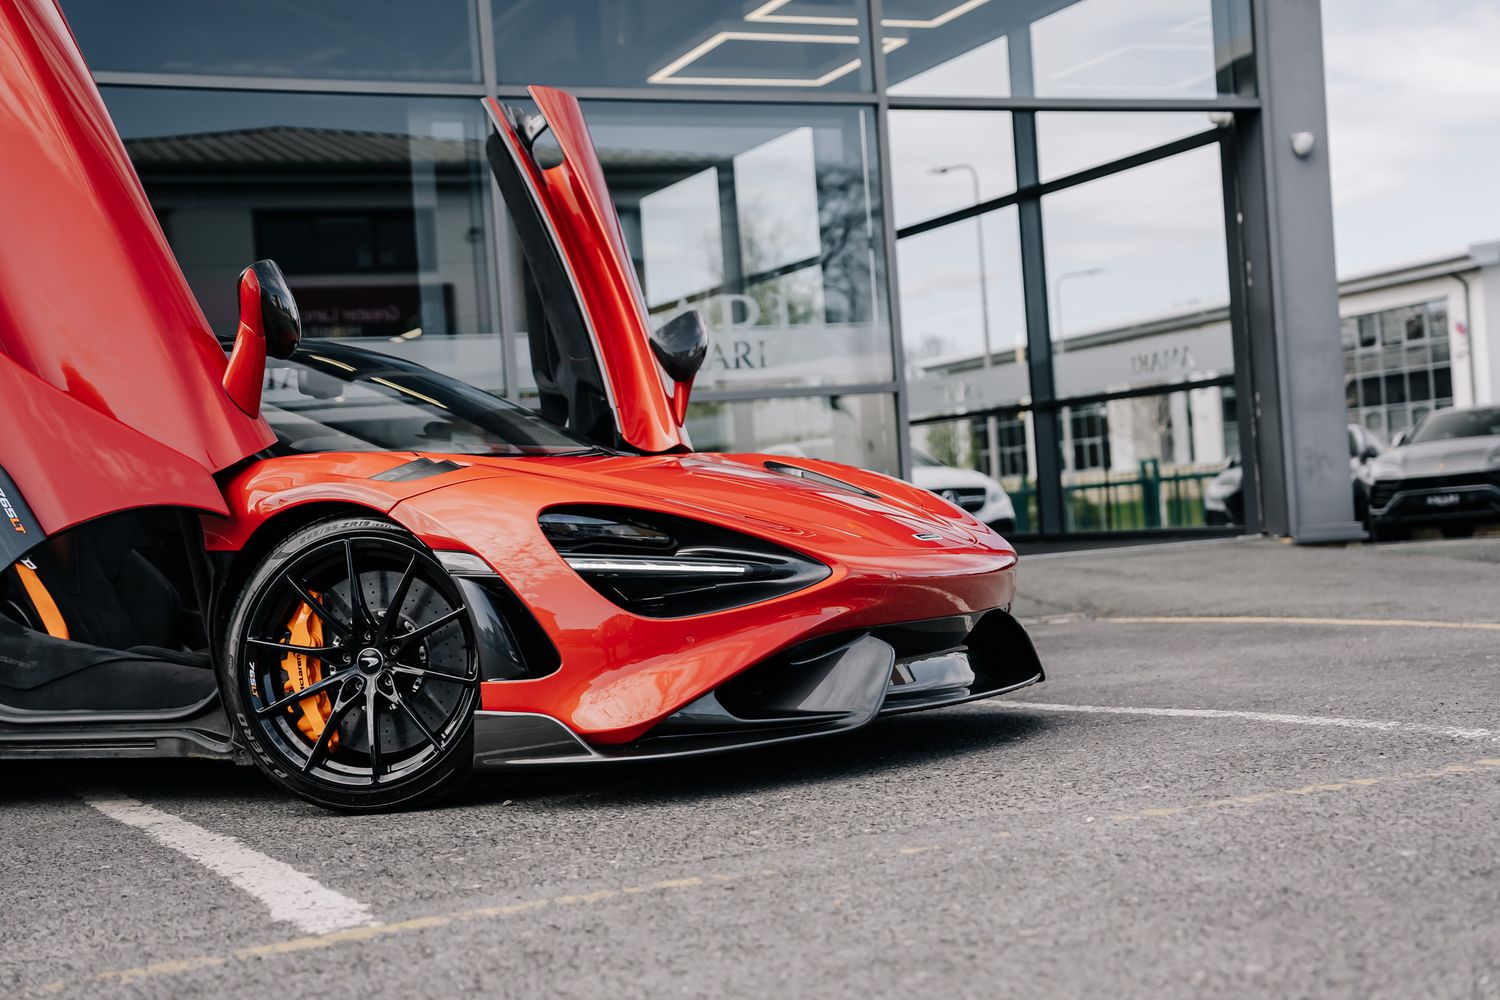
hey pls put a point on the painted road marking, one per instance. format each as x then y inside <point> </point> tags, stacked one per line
<point>332,939</point>
<point>1278,620</point>
<point>1351,784</point>
<point>372,932</point>
<point>290,895</point>
<point>1281,718</point>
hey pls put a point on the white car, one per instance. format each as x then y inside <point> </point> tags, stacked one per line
<point>975,492</point>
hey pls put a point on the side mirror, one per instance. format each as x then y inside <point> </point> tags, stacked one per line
<point>269,325</point>
<point>1370,451</point>
<point>680,347</point>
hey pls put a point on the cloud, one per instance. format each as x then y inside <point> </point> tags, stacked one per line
<point>1414,127</point>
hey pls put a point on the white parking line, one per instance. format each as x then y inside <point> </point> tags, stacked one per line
<point>289,894</point>
<point>1384,725</point>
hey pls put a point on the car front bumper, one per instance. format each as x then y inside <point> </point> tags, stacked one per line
<point>1434,500</point>
<point>832,685</point>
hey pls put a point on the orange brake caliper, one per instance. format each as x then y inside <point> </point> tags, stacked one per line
<point>303,670</point>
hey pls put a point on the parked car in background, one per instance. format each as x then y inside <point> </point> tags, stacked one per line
<point>1224,499</point>
<point>970,489</point>
<point>1446,472</point>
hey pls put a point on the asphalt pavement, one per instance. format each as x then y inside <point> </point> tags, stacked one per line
<point>1255,770</point>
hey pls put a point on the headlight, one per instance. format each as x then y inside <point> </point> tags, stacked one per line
<point>661,566</point>
<point>575,532</point>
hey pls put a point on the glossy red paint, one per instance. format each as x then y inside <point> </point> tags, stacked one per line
<point>93,303</point>
<point>576,202</point>
<point>622,673</point>
<point>246,375</point>
<point>115,398</point>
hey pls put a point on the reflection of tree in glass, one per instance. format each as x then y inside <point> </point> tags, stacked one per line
<point>942,443</point>
<point>834,286</point>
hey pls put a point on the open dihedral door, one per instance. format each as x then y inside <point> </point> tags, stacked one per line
<point>595,366</point>
<point>113,416</point>
<point>111,390</point>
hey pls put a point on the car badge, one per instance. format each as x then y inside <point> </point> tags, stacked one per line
<point>927,536</point>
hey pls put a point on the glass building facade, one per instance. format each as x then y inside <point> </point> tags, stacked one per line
<point>1000,232</point>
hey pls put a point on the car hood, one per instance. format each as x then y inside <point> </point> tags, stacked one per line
<point>1441,458</point>
<point>741,492</point>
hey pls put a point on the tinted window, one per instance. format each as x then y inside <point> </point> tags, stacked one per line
<point>1457,424</point>
<point>327,39</point>
<point>670,44</point>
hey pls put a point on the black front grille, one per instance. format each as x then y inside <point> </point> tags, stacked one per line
<point>1384,491</point>
<point>969,498</point>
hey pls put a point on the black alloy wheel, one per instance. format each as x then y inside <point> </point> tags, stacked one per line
<point>350,668</point>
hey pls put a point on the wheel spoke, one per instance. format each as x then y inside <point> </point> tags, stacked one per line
<point>319,608</point>
<point>393,610</point>
<point>411,713</point>
<point>356,592</point>
<point>318,651</point>
<point>427,674</point>
<point>296,696</point>
<point>372,731</point>
<point>423,631</point>
<point>347,701</point>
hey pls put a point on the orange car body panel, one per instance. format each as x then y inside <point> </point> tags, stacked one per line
<point>622,673</point>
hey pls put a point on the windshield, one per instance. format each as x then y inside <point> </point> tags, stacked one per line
<point>329,397</point>
<point>920,457</point>
<point>1448,424</point>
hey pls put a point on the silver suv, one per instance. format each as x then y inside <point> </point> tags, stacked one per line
<point>1445,473</point>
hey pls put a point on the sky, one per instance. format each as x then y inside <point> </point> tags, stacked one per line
<point>1413,128</point>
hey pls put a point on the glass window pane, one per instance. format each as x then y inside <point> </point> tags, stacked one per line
<point>1088,48</point>
<point>947,453</point>
<point>962,302</point>
<point>1125,48</point>
<point>943,161</point>
<point>766,219</point>
<point>1137,276</point>
<point>813,45</point>
<point>1070,141</point>
<point>948,48</point>
<point>853,429</point>
<point>375,207</point>
<point>330,39</point>
<point>1146,462</point>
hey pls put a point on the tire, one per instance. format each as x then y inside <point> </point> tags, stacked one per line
<point>1387,533</point>
<point>406,685</point>
<point>1460,530</point>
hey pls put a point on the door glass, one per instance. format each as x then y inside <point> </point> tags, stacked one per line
<point>766,220</point>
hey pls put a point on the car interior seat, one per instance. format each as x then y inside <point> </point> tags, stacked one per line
<point>90,621</point>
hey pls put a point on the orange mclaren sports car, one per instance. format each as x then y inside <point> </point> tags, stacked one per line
<point>369,579</point>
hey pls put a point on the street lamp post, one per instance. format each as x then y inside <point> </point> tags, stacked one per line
<point>1057,284</point>
<point>991,425</point>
